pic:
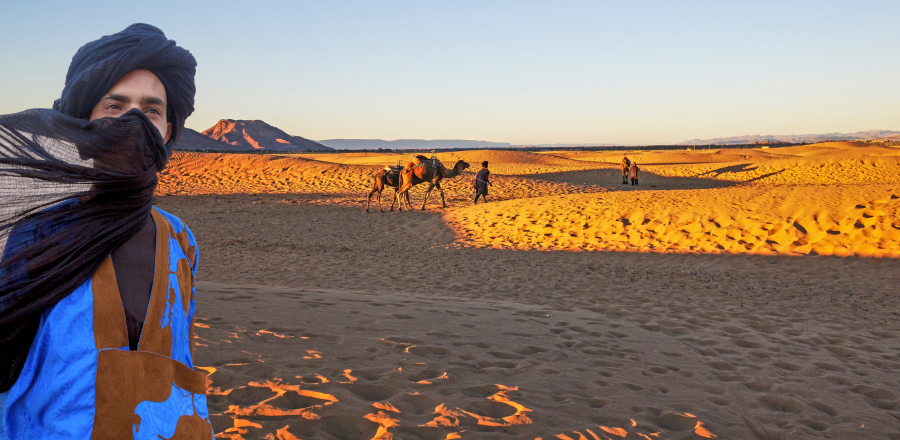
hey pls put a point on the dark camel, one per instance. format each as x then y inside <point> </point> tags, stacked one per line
<point>381,181</point>
<point>425,171</point>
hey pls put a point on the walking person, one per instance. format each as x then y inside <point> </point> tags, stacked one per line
<point>626,164</point>
<point>634,173</point>
<point>481,182</point>
<point>96,284</point>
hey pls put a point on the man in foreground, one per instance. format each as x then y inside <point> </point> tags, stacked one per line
<point>96,285</point>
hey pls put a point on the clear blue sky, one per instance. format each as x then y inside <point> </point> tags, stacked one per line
<point>624,72</point>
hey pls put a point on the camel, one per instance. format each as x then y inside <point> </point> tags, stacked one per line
<point>626,165</point>
<point>387,177</point>
<point>425,171</point>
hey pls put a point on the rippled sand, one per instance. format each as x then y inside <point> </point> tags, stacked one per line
<point>734,294</point>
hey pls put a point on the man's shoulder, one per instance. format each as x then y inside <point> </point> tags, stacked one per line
<point>176,222</point>
<point>183,234</point>
<point>178,226</point>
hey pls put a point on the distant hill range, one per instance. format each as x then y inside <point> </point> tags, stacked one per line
<point>410,144</point>
<point>243,135</point>
<point>798,138</point>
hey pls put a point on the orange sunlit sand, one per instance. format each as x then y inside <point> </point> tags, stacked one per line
<point>733,294</point>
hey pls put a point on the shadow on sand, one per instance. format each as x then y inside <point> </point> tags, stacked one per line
<point>612,179</point>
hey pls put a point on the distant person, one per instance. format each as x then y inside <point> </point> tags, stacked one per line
<point>626,165</point>
<point>481,182</point>
<point>97,285</point>
<point>634,173</point>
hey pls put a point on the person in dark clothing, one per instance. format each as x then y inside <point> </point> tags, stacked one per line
<point>634,173</point>
<point>481,182</point>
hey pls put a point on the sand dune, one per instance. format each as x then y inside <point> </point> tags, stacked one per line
<point>862,221</point>
<point>735,294</point>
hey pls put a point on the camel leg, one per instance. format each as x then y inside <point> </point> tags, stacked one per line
<point>393,199</point>
<point>379,202</point>
<point>427,193</point>
<point>443,200</point>
<point>369,199</point>
<point>397,195</point>
<point>403,191</point>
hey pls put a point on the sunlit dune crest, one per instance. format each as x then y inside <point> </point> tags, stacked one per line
<point>312,354</point>
<point>631,432</point>
<point>615,431</point>
<point>279,388</point>
<point>702,432</point>
<point>384,422</point>
<point>386,406</point>
<point>240,427</point>
<point>350,378</point>
<point>281,434</point>
<point>519,418</point>
<point>275,334</point>
<point>447,418</point>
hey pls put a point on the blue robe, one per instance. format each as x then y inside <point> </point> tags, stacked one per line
<point>80,380</point>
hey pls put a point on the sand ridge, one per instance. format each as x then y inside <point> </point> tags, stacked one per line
<point>862,221</point>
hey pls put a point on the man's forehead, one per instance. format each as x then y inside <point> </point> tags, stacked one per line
<point>138,85</point>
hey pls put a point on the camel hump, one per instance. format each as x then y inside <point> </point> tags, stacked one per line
<point>428,162</point>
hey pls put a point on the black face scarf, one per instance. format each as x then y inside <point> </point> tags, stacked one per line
<point>72,191</point>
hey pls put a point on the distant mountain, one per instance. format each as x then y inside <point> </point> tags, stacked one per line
<point>408,144</point>
<point>194,140</point>
<point>242,135</point>
<point>797,138</point>
<point>569,145</point>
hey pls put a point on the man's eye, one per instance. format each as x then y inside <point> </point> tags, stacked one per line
<point>114,107</point>
<point>153,110</point>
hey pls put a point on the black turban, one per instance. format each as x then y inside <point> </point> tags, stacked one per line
<point>100,64</point>
<point>73,190</point>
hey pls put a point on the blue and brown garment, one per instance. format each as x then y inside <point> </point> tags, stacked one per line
<point>80,380</point>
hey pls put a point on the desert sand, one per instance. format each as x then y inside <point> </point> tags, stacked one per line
<point>734,294</point>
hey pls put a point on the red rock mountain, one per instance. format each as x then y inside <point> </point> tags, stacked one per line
<point>242,135</point>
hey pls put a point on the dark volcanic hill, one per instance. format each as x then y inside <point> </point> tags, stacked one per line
<point>194,140</point>
<point>242,135</point>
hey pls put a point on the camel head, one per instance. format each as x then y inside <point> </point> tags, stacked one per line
<point>462,165</point>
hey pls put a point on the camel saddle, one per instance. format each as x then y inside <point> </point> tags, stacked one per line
<point>393,169</point>
<point>422,160</point>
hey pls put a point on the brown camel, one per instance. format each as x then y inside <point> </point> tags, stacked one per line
<point>425,171</point>
<point>384,178</point>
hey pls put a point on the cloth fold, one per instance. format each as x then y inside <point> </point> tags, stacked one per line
<point>72,192</point>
